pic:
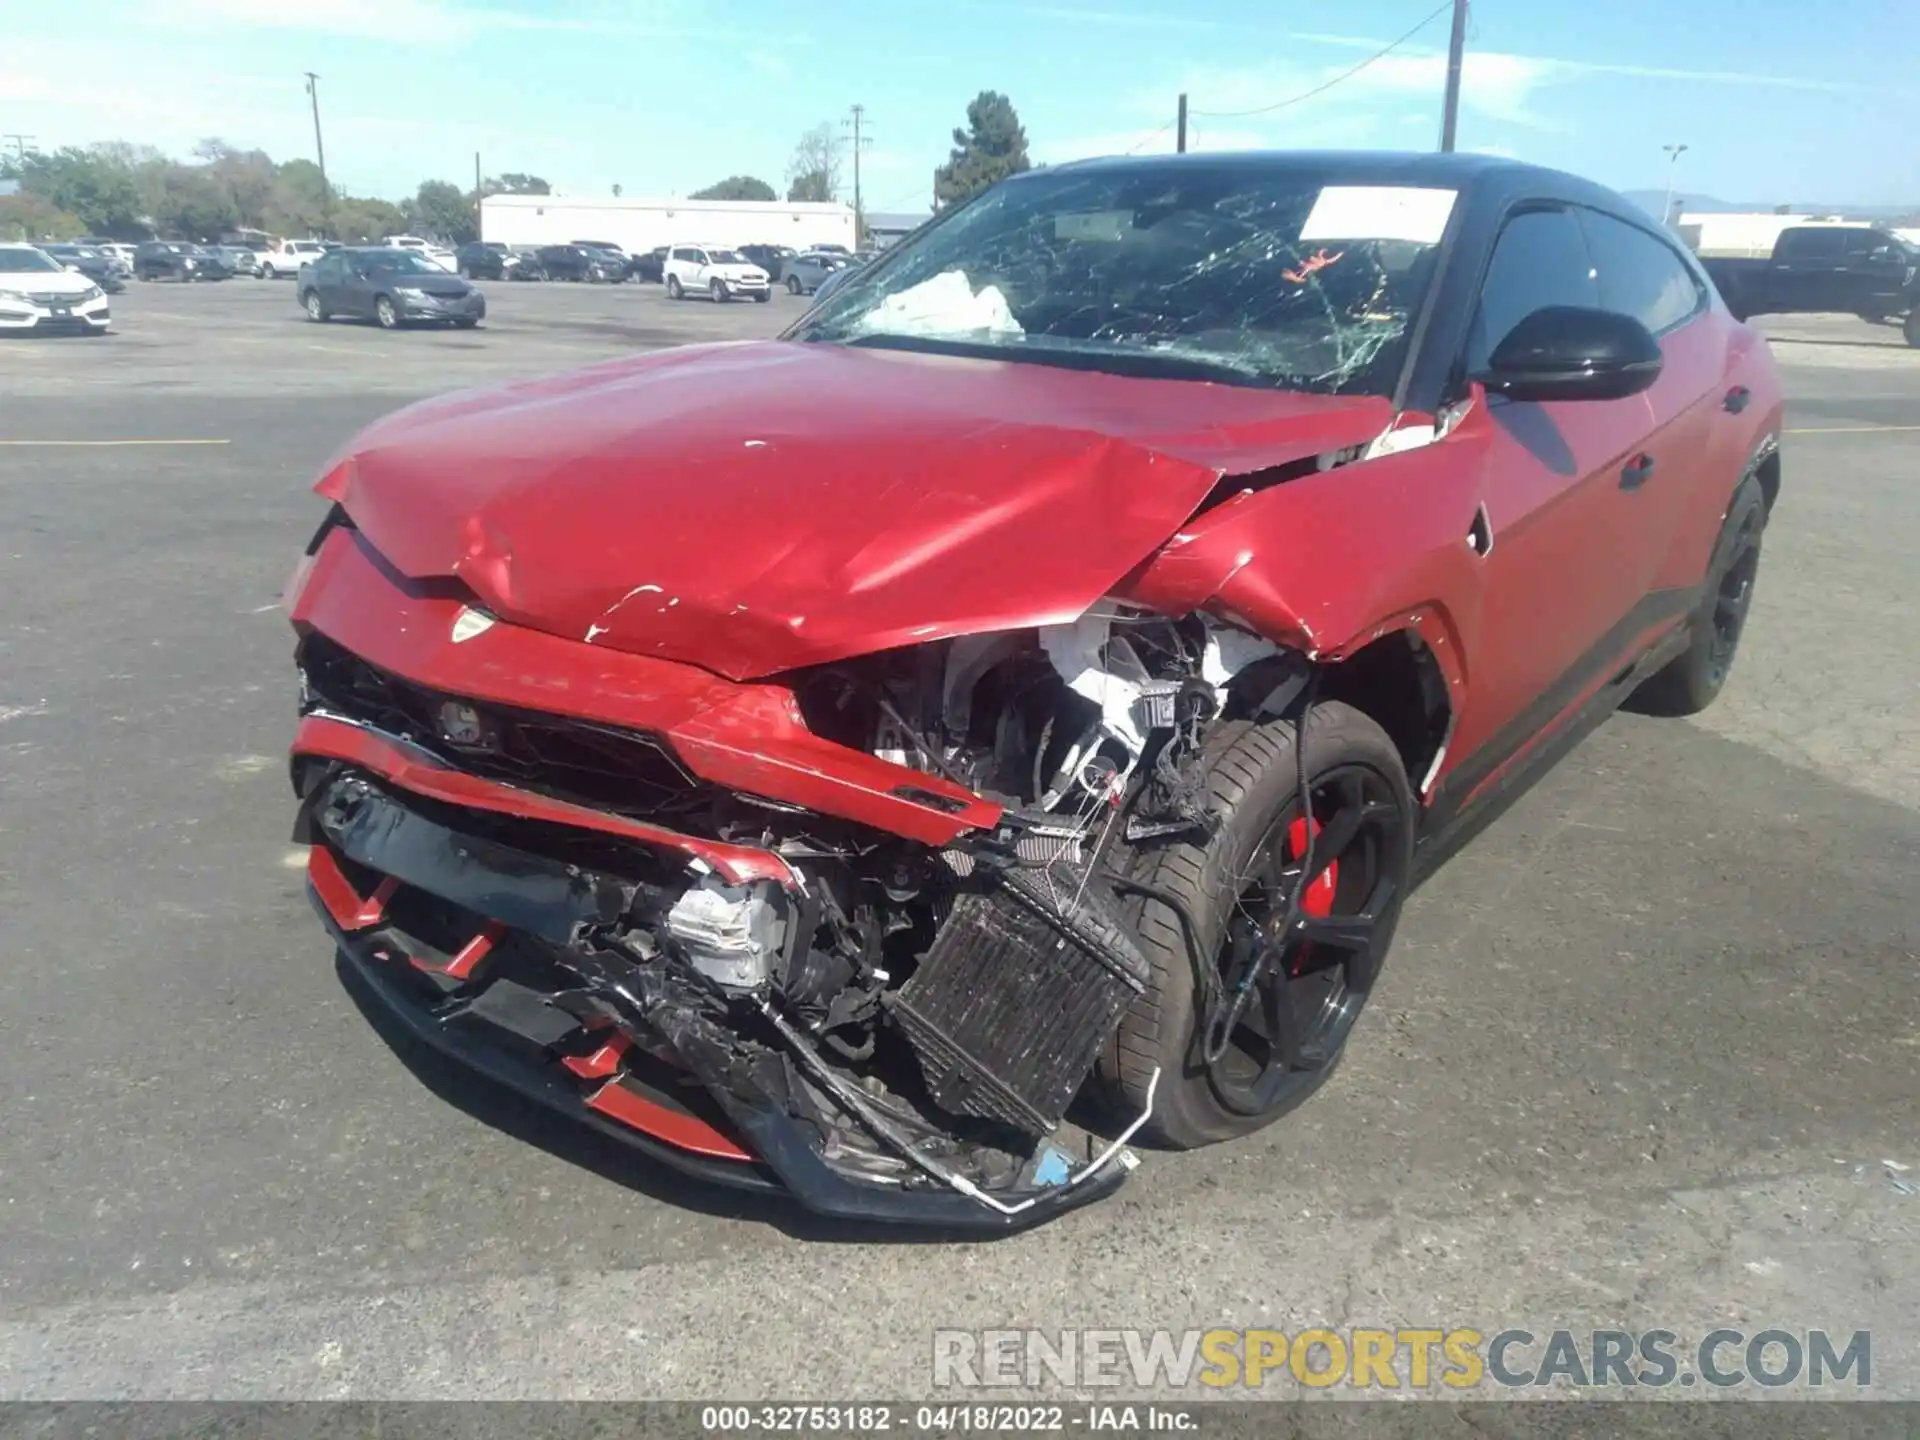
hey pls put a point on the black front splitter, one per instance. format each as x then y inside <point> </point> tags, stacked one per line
<point>786,1162</point>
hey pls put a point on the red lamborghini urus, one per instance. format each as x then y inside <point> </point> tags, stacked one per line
<point>1039,675</point>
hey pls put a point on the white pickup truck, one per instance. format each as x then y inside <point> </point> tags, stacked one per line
<point>285,257</point>
<point>438,254</point>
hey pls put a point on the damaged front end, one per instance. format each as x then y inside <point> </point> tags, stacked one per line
<point>765,987</point>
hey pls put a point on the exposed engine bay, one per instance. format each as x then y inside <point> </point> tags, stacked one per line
<point>924,1015</point>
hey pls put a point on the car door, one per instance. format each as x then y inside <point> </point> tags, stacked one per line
<point>358,286</point>
<point>1874,272</point>
<point>329,277</point>
<point>1556,601</point>
<point>1805,274</point>
<point>1641,274</point>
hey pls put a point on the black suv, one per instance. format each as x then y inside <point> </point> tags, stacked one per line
<point>576,262</point>
<point>770,258</point>
<point>650,265</point>
<point>97,265</point>
<point>177,260</point>
<point>486,260</point>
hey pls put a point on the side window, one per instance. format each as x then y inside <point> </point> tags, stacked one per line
<point>682,254</point>
<point>699,257</point>
<point>1540,259</point>
<point>1808,243</point>
<point>1858,244</point>
<point>1639,273</point>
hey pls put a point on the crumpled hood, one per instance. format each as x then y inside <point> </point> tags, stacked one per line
<point>754,507</point>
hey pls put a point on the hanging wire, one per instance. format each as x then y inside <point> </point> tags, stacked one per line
<point>1149,139</point>
<point>1321,89</point>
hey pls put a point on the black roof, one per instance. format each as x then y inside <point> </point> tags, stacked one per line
<point>1382,167</point>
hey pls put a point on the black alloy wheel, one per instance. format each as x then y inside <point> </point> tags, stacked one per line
<point>1692,681</point>
<point>1263,1028</point>
<point>1732,597</point>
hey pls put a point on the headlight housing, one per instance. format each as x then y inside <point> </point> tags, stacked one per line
<point>19,295</point>
<point>92,292</point>
<point>410,292</point>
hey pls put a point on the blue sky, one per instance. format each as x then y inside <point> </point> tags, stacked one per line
<point>1775,100</point>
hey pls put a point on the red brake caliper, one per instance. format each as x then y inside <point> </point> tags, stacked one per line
<point>1318,899</point>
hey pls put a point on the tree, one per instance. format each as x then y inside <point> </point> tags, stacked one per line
<point>814,171</point>
<point>992,147</point>
<point>366,219</point>
<point>736,187</point>
<point>28,217</point>
<point>516,183</point>
<point>297,202</point>
<point>439,209</point>
<point>101,195</point>
<point>190,202</point>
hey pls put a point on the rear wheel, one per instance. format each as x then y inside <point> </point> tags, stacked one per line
<point>1304,983</point>
<point>316,307</point>
<point>1690,682</point>
<point>793,284</point>
<point>674,292</point>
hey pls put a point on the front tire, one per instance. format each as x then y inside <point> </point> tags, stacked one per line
<point>717,293</point>
<point>1692,681</point>
<point>793,285</point>
<point>1235,885</point>
<point>387,313</point>
<point>316,308</point>
<point>267,272</point>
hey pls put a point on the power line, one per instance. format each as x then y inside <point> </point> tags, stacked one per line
<point>1155,135</point>
<point>1323,88</point>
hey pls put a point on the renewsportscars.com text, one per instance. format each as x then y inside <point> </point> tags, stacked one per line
<point>1400,1359</point>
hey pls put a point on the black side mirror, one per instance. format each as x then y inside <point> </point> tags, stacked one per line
<point>1570,352</point>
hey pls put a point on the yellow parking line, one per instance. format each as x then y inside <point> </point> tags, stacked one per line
<point>104,443</point>
<point>1847,429</point>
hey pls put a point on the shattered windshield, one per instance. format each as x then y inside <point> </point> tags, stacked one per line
<point>1268,278</point>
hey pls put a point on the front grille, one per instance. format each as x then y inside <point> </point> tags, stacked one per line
<point>604,766</point>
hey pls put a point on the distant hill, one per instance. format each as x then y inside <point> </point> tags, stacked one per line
<point>1650,201</point>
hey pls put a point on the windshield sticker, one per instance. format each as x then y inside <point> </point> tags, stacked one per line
<point>1379,212</point>
<point>1319,260</point>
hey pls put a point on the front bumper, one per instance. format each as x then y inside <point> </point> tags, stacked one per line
<point>482,995</point>
<point>434,307</point>
<point>44,318</point>
<point>745,289</point>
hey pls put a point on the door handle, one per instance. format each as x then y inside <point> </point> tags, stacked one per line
<point>1636,472</point>
<point>1736,400</point>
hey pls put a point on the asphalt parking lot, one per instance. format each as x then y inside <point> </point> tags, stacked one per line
<point>1640,1059</point>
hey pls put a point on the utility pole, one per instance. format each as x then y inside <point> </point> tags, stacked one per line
<point>1180,130</point>
<point>1456,51</point>
<point>320,151</point>
<point>19,145</point>
<point>476,192</point>
<point>1673,161</point>
<point>857,120</point>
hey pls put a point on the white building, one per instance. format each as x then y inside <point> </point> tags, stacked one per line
<point>637,225</point>
<point>1747,233</point>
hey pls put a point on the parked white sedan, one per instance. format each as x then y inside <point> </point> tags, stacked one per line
<point>40,296</point>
